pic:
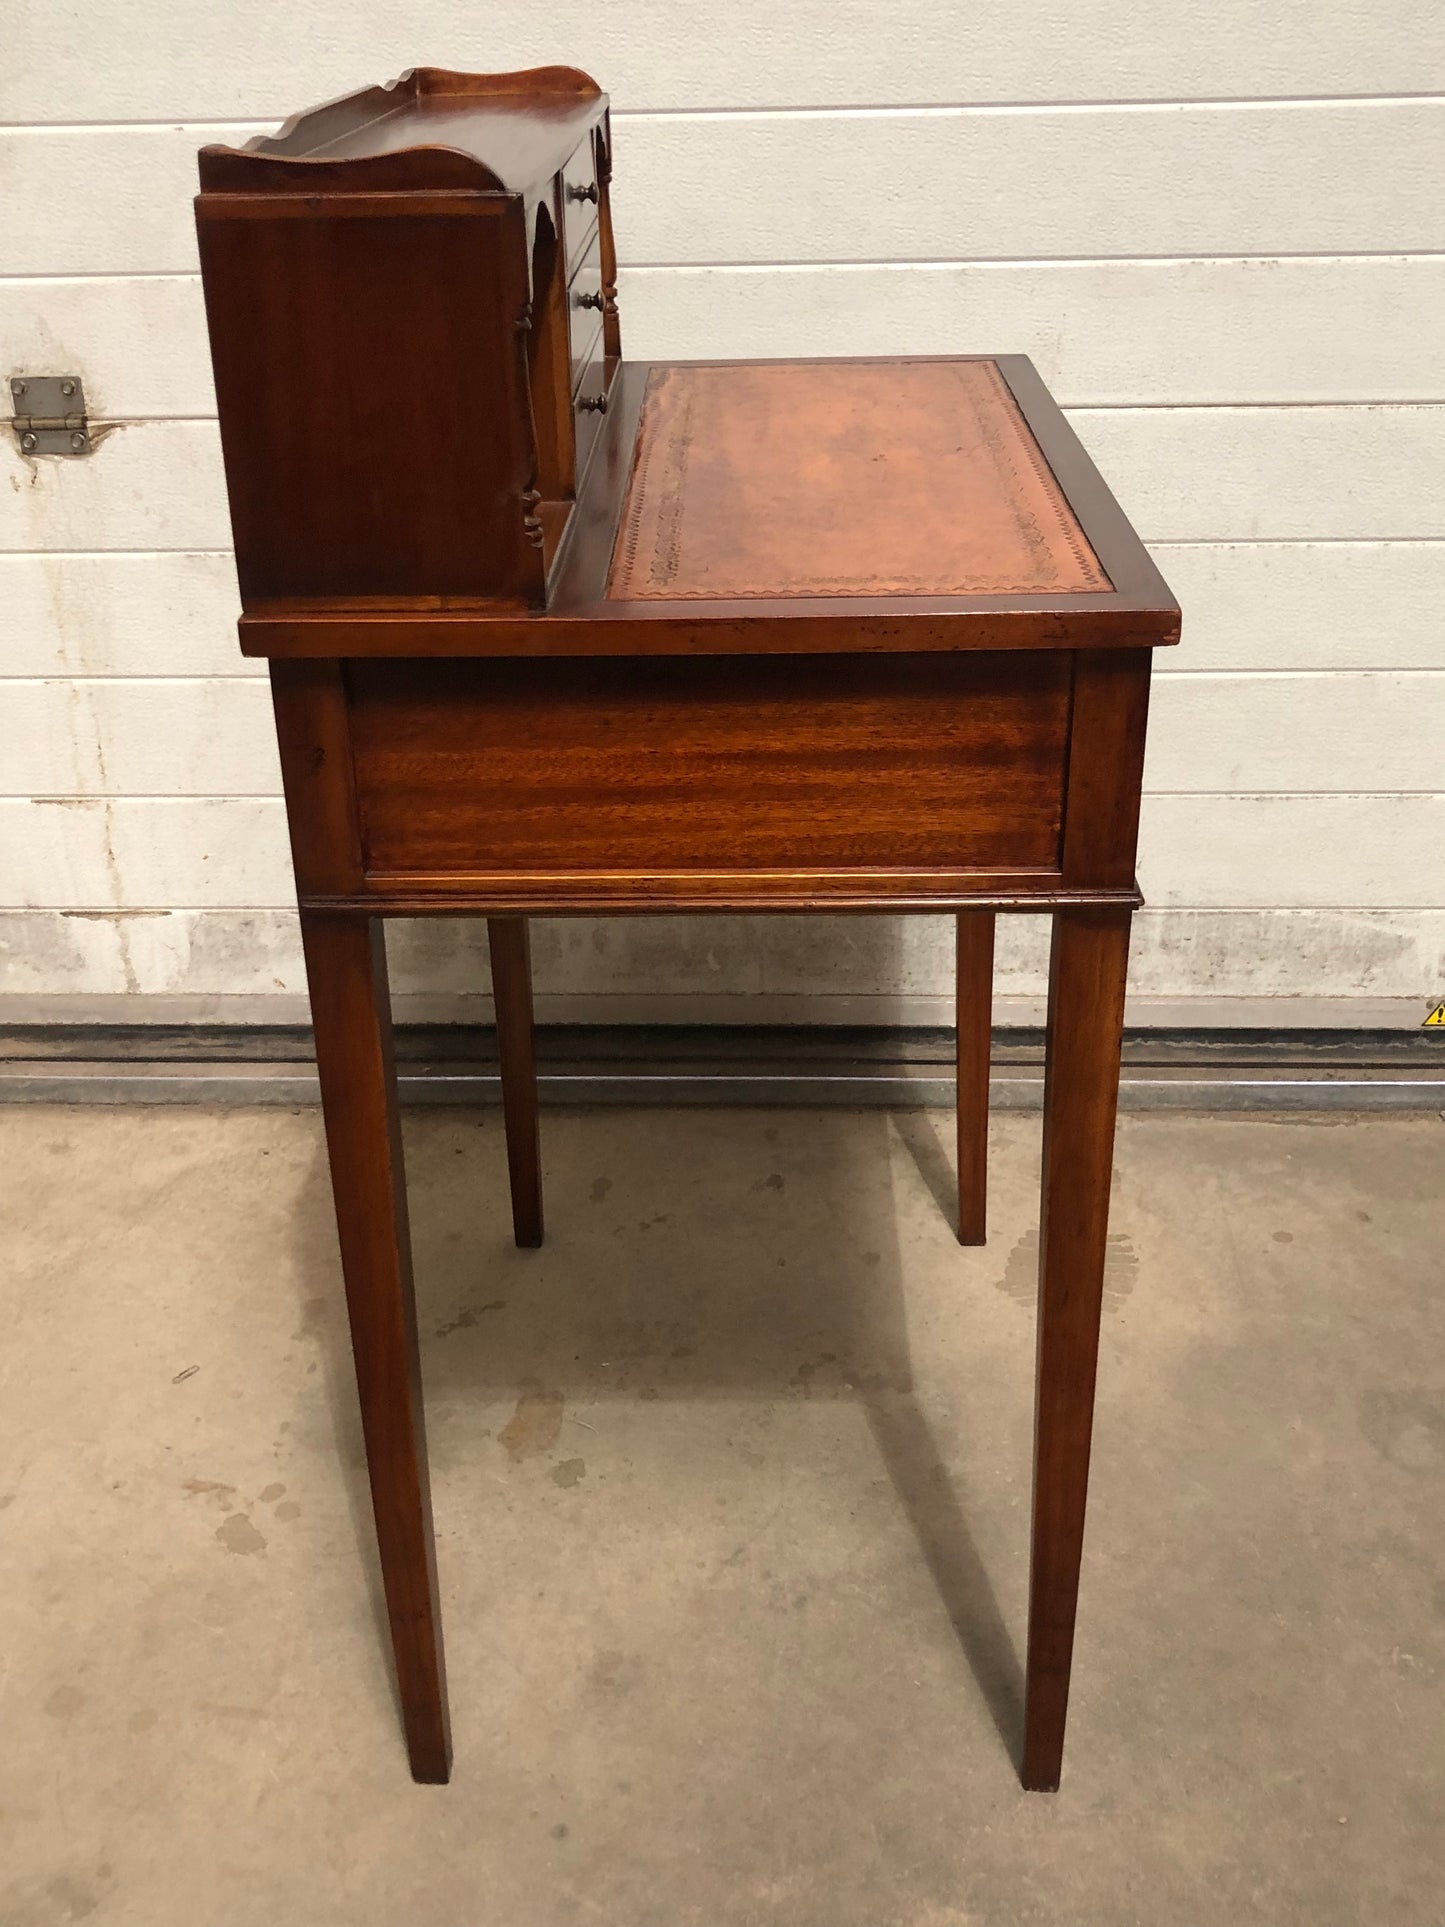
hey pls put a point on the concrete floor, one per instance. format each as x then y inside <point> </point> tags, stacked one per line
<point>732,1486</point>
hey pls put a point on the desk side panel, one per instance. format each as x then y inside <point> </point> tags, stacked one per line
<point>371,381</point>
<point>635,771</point>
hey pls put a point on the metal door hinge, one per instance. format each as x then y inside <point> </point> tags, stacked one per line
<point>50,414</point>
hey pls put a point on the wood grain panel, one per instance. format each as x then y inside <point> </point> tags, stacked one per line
<point>329,331</point>
<point>710,765</point>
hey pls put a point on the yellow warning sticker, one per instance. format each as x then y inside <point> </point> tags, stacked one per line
<point>1437,1016</point>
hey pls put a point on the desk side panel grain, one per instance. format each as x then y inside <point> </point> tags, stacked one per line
<point>371,377</point>
<point>711,765</point>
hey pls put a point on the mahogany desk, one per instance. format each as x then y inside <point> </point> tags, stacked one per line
<point>555,633</point>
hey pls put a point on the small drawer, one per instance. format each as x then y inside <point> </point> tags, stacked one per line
<point>580,196</point>
<point>589,402</point>
<point>584,309</point>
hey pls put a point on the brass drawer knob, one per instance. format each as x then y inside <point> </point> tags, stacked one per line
<point>590,301</point>
<point>588,193</point>
<point>596,404</point>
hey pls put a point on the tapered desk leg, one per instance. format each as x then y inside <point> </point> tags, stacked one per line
<point>975,1019</point>
<point>346,965</point>
<point>1081,1087</point>
<point>512,996</point>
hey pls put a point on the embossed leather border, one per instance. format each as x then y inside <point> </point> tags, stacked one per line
<point>714,510</point>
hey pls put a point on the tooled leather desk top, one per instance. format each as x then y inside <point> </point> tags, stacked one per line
<point>842,478</point>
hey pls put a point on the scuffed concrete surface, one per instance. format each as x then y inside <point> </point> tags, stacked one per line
<point>1280,955</point>
<point>732,1487</point>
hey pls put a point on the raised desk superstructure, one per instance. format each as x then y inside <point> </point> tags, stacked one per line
<point>551,632</point>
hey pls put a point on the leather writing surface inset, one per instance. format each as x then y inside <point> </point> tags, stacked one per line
<point>842,478</point>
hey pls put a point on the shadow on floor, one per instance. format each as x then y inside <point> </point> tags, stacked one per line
<point>684,1260</point>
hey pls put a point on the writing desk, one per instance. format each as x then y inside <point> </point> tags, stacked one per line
<point>554,633</point>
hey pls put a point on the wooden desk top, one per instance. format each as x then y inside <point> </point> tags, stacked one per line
<point>814,507</point>
<point>434,447</point>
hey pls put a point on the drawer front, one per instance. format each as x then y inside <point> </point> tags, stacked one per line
<point>589,389</point>
<point>627,769</point>
<point>584,309</point>
<point>580,195</point>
